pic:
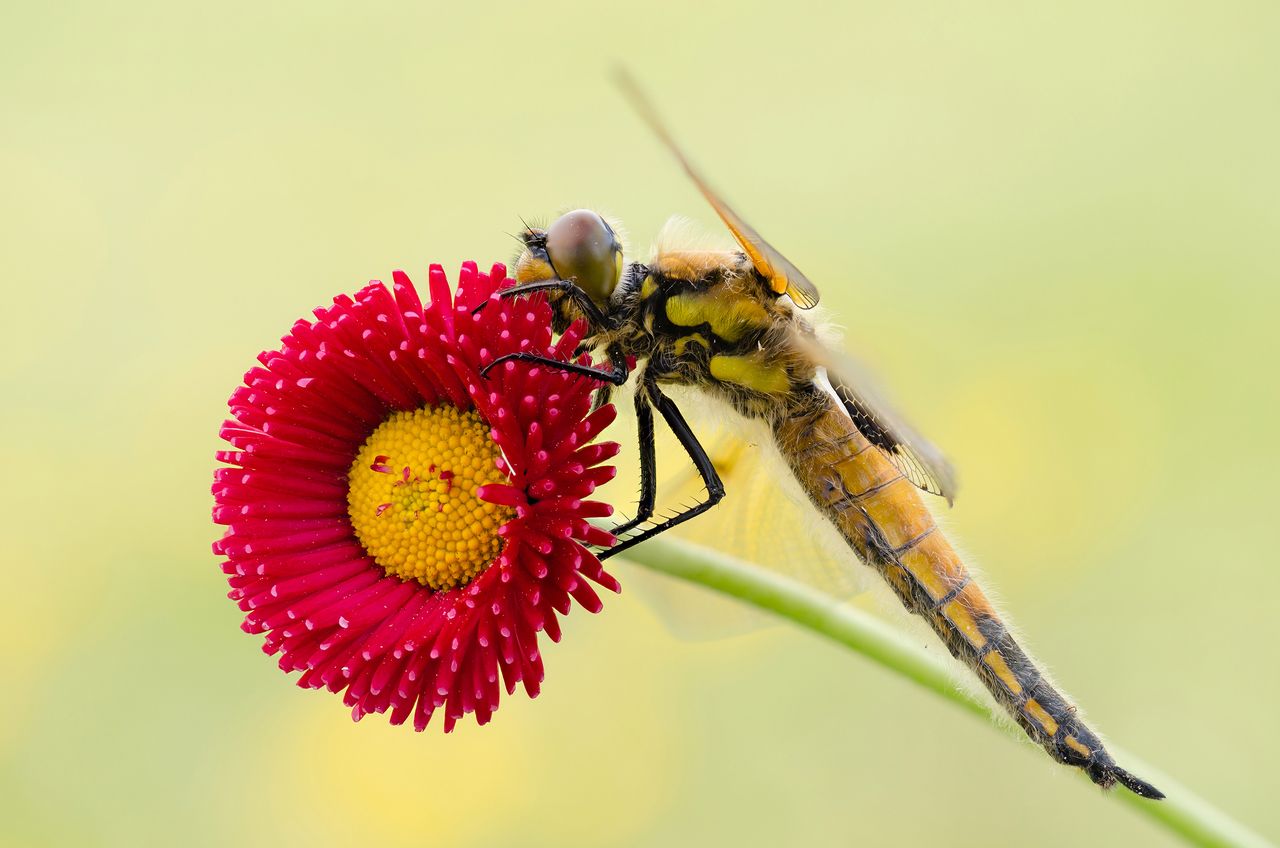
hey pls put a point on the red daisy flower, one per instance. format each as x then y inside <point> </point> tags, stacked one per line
<point>400,527</point>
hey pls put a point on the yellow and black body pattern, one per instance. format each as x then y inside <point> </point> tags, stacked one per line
<point>725,322</point>
<point>707,319</point>
<point>883,518</point>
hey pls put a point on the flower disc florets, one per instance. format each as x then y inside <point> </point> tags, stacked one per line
<point>412,497</point>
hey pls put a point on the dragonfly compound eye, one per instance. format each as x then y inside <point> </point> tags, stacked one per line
<point>584,250</point>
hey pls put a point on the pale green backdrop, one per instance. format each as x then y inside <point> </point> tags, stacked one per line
<point>1053,227</point>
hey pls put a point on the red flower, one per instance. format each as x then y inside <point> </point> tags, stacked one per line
<point>399,527</point>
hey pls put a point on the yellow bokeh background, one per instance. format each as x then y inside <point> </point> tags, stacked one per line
<point>1053,228</point>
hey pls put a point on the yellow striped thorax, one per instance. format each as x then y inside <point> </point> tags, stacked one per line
<point>708,318</point>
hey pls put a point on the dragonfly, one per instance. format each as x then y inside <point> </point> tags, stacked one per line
<point>731,326</point>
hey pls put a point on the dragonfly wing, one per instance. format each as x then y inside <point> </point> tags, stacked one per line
<point>765,518</point>
<point>783,276</point>
<point>919,460</point>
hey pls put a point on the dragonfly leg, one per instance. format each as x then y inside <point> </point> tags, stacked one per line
<point>701,461</point>
<point>615,375</point>
<point>597,319</point>
<point>605,393</point>
<point>648,467</point>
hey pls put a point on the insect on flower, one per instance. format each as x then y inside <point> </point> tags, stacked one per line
<point>729,323</point>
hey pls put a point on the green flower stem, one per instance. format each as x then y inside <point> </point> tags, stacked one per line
<point>1183,812</point>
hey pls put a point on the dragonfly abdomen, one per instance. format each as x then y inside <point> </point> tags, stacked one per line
<point>884,520</point>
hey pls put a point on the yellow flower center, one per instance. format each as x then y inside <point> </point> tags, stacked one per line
<point>412,496</point>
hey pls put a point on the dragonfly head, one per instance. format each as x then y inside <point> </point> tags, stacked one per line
<point>580,247</point>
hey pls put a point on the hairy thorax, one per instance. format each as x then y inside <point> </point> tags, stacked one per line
<point>707,319</point>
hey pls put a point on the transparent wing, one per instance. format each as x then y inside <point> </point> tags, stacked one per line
<point>916,457</point>
<point>783,276</point>
<point>764,518</point>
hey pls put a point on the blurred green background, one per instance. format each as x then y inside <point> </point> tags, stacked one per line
<point>1054,230</point>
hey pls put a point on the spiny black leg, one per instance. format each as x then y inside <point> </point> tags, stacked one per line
<point>618,364</point>
<point>616,374</point>
<point>648,467</point>
<point>519,289</point>
<point>706,469</point>
<point>596,318</point>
